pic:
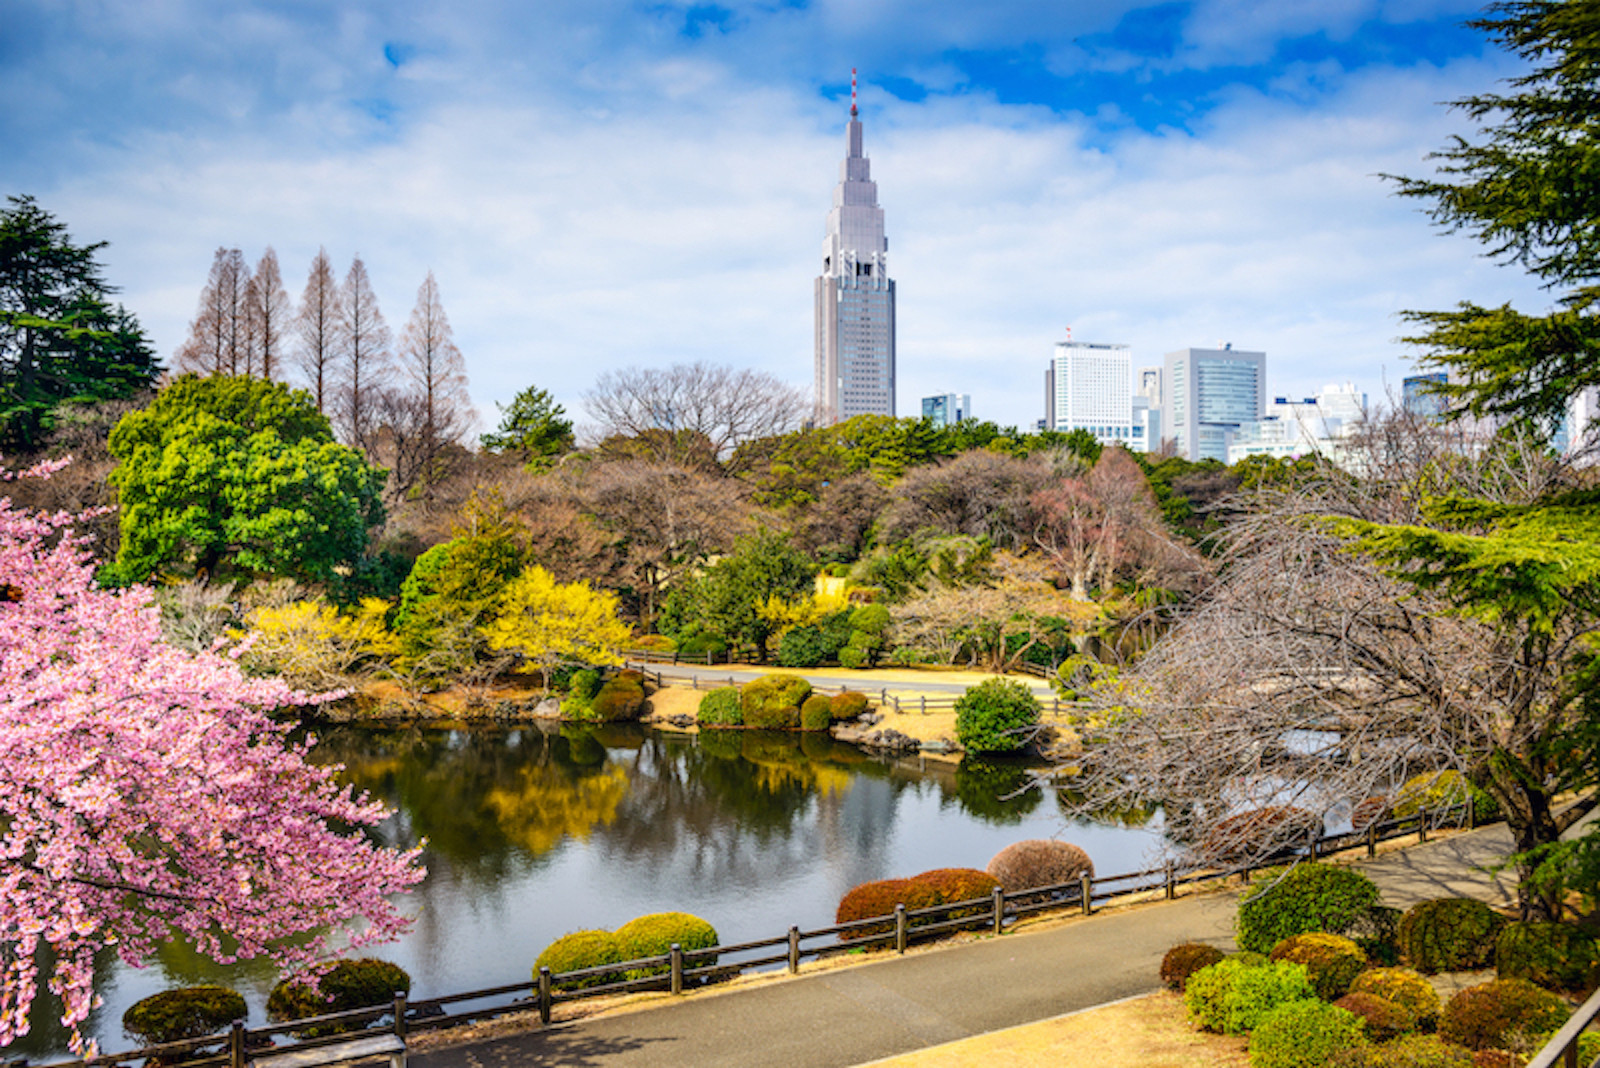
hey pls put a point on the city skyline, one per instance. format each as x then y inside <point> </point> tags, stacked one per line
<point>580,177</point>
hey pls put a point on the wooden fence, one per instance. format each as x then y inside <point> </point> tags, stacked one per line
<point>681,969</point>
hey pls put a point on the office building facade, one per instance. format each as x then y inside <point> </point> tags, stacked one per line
<point>1209,394</point>
<point>947,409</point>
<point>1088,387</point>
<point>855,329</point>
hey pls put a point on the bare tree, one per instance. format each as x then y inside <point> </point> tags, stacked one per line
<point>317,332</point>
<point>981,494</point>
<point>219,334</point>
<point>668,519</point>
<point>993,624</point>
<point>364,358</point>
<point>687,404</point>
<point>435,378</point>
<point>270,314</point>
<point>1309,678</point>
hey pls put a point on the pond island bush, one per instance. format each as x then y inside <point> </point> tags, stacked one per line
<point>188,1012</point>
<point>1332,961</point>
<point>996,716</point>
<point>848,705</point>
<point>720,708</point>
<point>816,714</point>
<point>349,984</point>
<point>1183,960</point>
<point>1304,1034</point>
<point>1308,897</point>
<point>1449,934</point>
<point>1232,997</point>
<point>772,702</point>
<point>1039,862</point>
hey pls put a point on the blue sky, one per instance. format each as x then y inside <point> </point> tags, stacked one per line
<point>599,185</point>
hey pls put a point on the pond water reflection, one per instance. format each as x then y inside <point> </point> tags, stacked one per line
<point>538,831</point>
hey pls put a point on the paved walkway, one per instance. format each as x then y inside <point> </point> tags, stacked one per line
<point>870,682</point>
<point>853,1015</point>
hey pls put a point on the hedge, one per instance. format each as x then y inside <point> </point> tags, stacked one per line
<point>720,708</point>
<point>816,714</point>
<point>654,935</point>
<point>1449,934</point>
<point>1332,961</point>
<point>577,951</point>
<point>349,984</point>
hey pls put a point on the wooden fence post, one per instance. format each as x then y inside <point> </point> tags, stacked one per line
<point>900,928</point>
<point>400,1014</point>
<point>923,699</point>
<point>1372,839</point>
<point>544,996</point>
<point>676,953</point>
<point>1422,826</point>
<point>236,1044</point>
<point>999,910</point>
<point>1472,814</point>
<point>1172,882</point>
<point>1086,892</point>
<point>794,950</point>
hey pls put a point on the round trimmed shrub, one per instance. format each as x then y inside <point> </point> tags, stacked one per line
<point>817,713</point>
<point>1449,934</point>
<point>1384,1019</point>
<point>1039,862</point>
<point>1249,958</point>
<point>996,716</point>
<point>1405,988</point>
<point>620,698</point>
<point>1309,897</point>
<point>1258,832</point>
<point>1332,961</point>
<point>1184,960</point>
<point>577,951</point>
<point>1407,1051</point>
<point>1433,790</point>
<point>853,657</point>
<point>653,936</point>
<point>957,884</point>
<point>879,898</point>
<point>1377,931</point>
<point>349,984</point>
<point>1555,955</point>
<point>772,702</point>
<point>849,705</point>
<point>1232,997</point>
<point>188,1012</point>
<point>720,708</point>
<point>1304,1034</point>
<point>1486,1016</point>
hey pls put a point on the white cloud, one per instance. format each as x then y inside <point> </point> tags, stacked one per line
<point>652,203</point>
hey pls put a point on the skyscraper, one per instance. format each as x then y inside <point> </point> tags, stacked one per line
<point>1209,393</point>
<point>855,295</point>
<point>947,409</point>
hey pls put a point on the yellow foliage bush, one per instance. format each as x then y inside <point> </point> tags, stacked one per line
<point>313,646</point>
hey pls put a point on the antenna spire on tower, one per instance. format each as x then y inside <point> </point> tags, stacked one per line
<point>852,92</point>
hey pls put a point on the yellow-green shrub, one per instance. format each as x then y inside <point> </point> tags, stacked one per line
<point>576,952</point>
<point>1332,961</point>
<point>313,646</point>
<point>654,935</point>
<point>1404,987</point>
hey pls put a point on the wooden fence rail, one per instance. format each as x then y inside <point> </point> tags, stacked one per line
<point>679,968</point>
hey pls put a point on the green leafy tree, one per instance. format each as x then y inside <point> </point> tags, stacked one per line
<point>1524,186</point>
<point>996,716</point>
<point>60,338</point>
<point>534,427</point>
<point>235,475</point>
<point>734,597</point>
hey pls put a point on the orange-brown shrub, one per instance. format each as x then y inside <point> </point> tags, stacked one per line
<point>923,891</point>
<point>1039,862</point>
<point>1243,837</point>
<point>1486,1015</point>
<point>1368,811</point>
<point>1184,960</point>
<point>1385,1019</point>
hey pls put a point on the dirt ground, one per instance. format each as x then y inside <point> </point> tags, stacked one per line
<point>1144,1032</point>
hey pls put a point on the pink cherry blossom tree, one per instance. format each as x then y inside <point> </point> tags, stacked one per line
<point>145,794</point>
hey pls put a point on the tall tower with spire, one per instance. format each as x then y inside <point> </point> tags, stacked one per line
<point>855,295</point>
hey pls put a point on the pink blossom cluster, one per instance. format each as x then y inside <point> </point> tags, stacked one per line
<point>145,795</point>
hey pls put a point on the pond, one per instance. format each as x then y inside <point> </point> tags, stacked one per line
<point>535,832</point>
